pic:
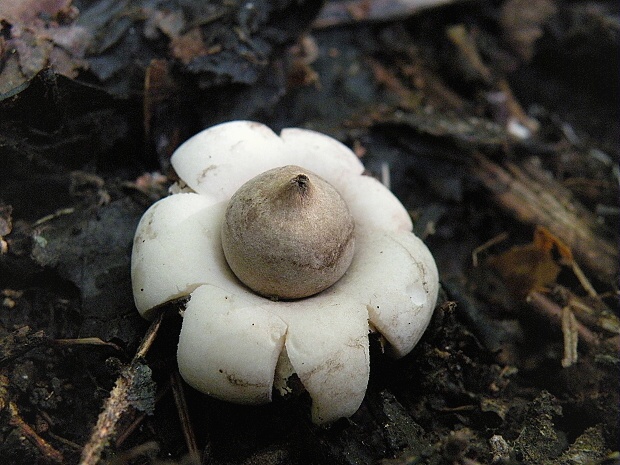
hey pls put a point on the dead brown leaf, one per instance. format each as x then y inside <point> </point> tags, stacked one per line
<point>529,267</point>
<point>41,35</point>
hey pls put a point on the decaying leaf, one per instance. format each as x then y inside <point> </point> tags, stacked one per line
<point>545,240</point>
<point>114,40</point>
<point>529,267</point>
<point>39,35</point>
<point>93,254</point>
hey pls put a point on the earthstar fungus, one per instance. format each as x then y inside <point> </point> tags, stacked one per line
<point>238,342</point>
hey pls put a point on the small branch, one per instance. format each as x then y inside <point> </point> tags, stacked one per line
<point>44,447</point>
<point>571,337</point>
<point>65,441</point>
<point>186,424</point>
<point>553,312</point>
<point>118,404</point>
<point>126,432</point>
<point>114,409</point>
<point>584,281</point>
<point>149,337</point>
<point>490,243</point>
<point>87,341</point>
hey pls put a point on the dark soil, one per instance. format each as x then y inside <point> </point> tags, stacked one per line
<point>498,122</point>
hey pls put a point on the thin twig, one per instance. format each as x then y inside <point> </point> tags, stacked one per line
<point>44,447</point>
<point>186,424</point>
<point>65,441</point>
<point>571,337</point>
<point>86,341</point>
<point>117,405</point>
<point>126,432</point>
<point>585,282</point>
<point>149,337</point>
<point>490,243</point>
<point>553,312</point>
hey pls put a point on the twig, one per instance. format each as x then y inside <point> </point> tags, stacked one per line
<point>553,312</point>
<point>490,243</point>
<point>117,405</point>
<point>534,199</point>
<point>114,409</point>
<point>86,341</point>
<point>65,441</point>
<point>44,447</point>
<point>571,337</point>
<point>595,317</point>
<point>186,424</point>
<point>585,282</point>
<point>123,435</point>
<point>149,337</point>
<point>56,214</point>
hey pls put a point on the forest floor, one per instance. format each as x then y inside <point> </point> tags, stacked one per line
<point>495,123</point>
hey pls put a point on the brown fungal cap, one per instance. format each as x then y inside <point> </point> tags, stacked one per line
<point>288,233</point>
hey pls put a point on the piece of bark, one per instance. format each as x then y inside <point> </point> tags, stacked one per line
<point>531,196</point>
